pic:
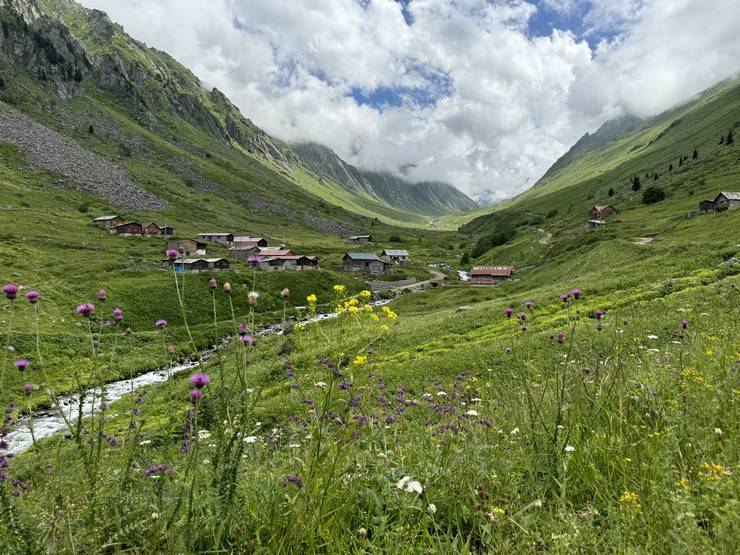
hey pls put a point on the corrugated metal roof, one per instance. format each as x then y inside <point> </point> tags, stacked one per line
<point>365,256</point>
<point>248,239</point>
<point>395,252</point>
<point>730,195</point>
<point>103,218</point>
<point>495,271</point>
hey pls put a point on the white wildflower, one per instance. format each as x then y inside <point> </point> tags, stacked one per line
<point>432,508</point>
<point>204,434</point>
<point>441,394</point>
<point>476,400</point>
<point>514,432</point>
<point>718,431</point>
<point>569,448</point>
<point>250,439</point>
<point>651,336</point>
<point>145,442</point>
<point>472,412</point>
<point>294,445</point>
<point>537,503</point>
<point>320,384</point>
<point>408,484</point>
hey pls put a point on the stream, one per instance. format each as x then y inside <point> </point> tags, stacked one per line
<point>50,422</point>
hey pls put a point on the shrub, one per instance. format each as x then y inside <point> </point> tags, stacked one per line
<point>651,195</point>
<point>395,239</point>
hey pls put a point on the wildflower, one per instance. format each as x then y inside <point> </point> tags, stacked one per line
<point>576,293</point>
<point>200,380</point>
<point>212,283</point>
<point>22,363</point>
<point>204,434</point>
<point>709,353</point>
<point>471,412</point>
<point>529,304</point>
<point>227,287</point>
<point>408,484</point>
<point>340,289</point>
<point>311,299</point>
<point>599,314</point>
<point>718,432</point>
<point>10,290</point>
<point>362,532</point>
<point>102,295</point>
<point>569,448</point>
<point>359,360</point>
<point>365,294</point>
<point>285,293</point>
<point>171,254</point>
<point>85,309</point>
<point>514,432</point>
<point>252,297</point>
<point>345,386</point>
<point>170,349</point>
<point>509,311</point>
<point>432,508</point>
<point>27,389</point>
<point>522,316</point>
<point>630,499</point>
<point>254,261</point>
<point>160,324</point>
<point>243,328</point>
<point>599,326</point>
<point>684,324</point>
<point>248,340</point>
<point>299,327</point>
<point>564,297</point>
<point>195,395</point>
<point>32,296</point>
<point>117,314</point>
<point>295,480</point>
<point>560,336</point>
<point>250,439</point>
<point>508,350</point>
<point>320,384</point>
<point>497,511</point>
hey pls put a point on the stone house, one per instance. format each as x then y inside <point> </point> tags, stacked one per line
<point>727,200</point>
<point>397,256</point>
<point>367,262</point>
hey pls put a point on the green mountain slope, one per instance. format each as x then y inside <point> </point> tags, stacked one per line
<point>429,198</point>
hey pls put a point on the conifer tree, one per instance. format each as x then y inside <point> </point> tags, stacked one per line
<point>730,138</point>
<point>695,155</point>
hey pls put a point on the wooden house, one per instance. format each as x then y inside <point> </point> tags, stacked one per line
<point>151,228</point>
<point>296,263</point>
<point>489,275</point>
<point>367,262</point>
<point>706,206</point>
<point>167,230</point>
<point>274,251</point>
<point>191,265</point>
<point>128,228</point>
<point>397,256</point>
<point>362,239</point>
<point>248,241</point>
<point>107,222</point>
<point>602,211</point>
<point>217,263</point>
<point>243,252</point>
<point>223,238</point>
<point>727,200</point>
<point>594,224</point>
<point>187,247</point>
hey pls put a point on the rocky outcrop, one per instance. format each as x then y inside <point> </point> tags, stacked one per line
<point>46,149</point>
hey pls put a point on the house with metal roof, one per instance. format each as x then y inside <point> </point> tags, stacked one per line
<point>727,200</point>
<point>108,222</point>
<point>367,262</point>
<point>489,275</point>
<point>249,241</point>
<point>602,211</point>
<point>218,237</point>
<point>363,239</point>
<point>397,256</point>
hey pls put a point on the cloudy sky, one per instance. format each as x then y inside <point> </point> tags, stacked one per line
<point>484,94</point>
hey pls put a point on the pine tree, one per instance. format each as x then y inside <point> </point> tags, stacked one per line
<point>695,155</point>
<point>655,176</point>
<point>611,192</point>
<point>465,259</point>
<point>721,139</point>
<point>670,167</point>
<point>730,138</point>
<point>91,129</point>
<point>636,184</point>
<point>680,161</point>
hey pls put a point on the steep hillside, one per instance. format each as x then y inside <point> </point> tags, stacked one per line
<point>431,198</point>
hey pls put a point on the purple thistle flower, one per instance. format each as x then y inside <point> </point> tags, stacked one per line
<point>85,309</point>
<point>285,293</point>
<point>200,380</point>
<point>576,293</point>
<point>171,254</point>
<point>32,296</point>
<point>509,311</point>
<point>212,283</point>
<point>170,349</point>
<point>564,297</point>
<point>294,385</point>
<point>560,336</point>
<point>248,340</point>
<point>243,328</point>
<point>525,327</point>
<point>529,304</point>
<point>295,480</point>
<point>27,389</point>
<point>10,290</point>
<point>599,314</point>
<point>117,314</point>
<point>160,324</point>
<point>252,297</point>
<point>345,386</point>
<point>684,324</point>
<point>102,294</point>
<point>522,316</point>
<point>195,395</point>
<point>22,363</point>
<point>254,261</point>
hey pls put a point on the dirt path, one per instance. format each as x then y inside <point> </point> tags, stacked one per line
<point>547,237</point>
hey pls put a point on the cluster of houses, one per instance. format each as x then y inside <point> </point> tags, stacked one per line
<point>598,214</point>
<point>725,200</point>
<point>116,224</point>
<point>371,263</point>
<point>191,254</point>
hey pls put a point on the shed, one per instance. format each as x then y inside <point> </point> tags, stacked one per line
<point>243,252</point>
<point>489,275</point>
<point>249,241</point>
<point>217,263</point>
<point>187,247</point>
<point>706,206</point>
<point>191,265</point>
<point>151,228</point>
<point>274,251</point>
<point>727,200</point>
<point>128,228</point>
<point>602,211</point>
<point>367,262</point>
<point>593,224</point>
<point>107,222</point>
<point>363,239</point>
<point>398,256</point>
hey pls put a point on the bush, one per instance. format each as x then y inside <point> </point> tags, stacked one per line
<point>552,213</point>
<point>395,239</point>
<point>653,195</point>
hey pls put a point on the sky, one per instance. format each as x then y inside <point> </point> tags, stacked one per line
<point>483,94</point>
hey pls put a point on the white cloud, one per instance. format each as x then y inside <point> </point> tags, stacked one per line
<point>508,104</point>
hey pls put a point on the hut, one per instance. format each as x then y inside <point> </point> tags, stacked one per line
<point>274,251</point>
<point>367,262</point>
<point>489,275</point>
<point>706,206</point>
<point>249,241</point>
<point>218,237</point>
<point>190,265</point>
<point>107,222</point>
<point>397,256</point>
<point>297,263</point>
<point>602,211</point>
<point>362,239</point>
<point>243,252</point>
<point>594,224</point>
<point>187,247</point>
<point>151,228</point>
<point>727,200</point>
<point>217,263</point>
<point>128,228</point>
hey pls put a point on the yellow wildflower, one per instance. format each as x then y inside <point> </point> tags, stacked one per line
<point>711,471</point>
<point>709,353</point>
<point>340,289</point>
<point>368,308</point>
<point>375,317</point>
<point>311,298</point>
<point>630,499</point>
<point>365,294</point>
<point>384,328</point>
<point>353,309</point>
<point>683,482</point>
<point>359,360</point>
<point>299,327</point>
